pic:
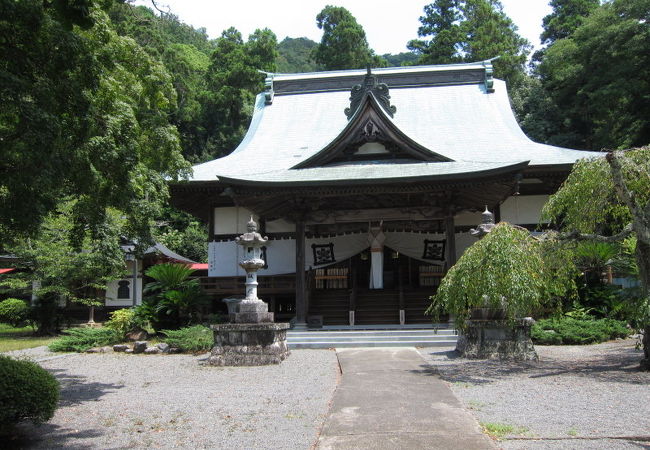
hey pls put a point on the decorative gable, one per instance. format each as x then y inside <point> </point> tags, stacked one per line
<point>370,86</point>
<point>370,133</point>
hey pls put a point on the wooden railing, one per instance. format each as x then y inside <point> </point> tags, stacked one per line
<point>279,284</point>
<point>334,278</point>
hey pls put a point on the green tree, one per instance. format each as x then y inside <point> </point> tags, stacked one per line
<point>344,44</point>
<point>233,80</point>
<point>441,21</point>
<point>471,30</point>
<point>188,68</point>
<point>566,17</point>
<point>538,115</point>
<point>75,272</point>
<point>607,200</point>
<point>599,77</point>
<point>294,55</point>
<point>132,149</point>
<point>183,234</point>
<point>185,53</point>
<point>45,71</point>
<point>511,274</point>
<point>85,114</point>
<point>401,59</point>
<point>508,270</point>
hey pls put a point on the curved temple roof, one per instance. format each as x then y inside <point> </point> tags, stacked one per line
<point>456,111</point>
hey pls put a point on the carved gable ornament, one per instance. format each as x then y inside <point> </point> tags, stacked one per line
<point>370,133</point>
<point>370,86</point>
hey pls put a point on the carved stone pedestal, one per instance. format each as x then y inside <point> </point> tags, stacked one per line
<point>252,311</point>
<point>497,339</point>
<point>249,344</point>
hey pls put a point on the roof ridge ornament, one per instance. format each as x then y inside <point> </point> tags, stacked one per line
<point>489,75</point>
<point>370,86</point>
<point>269,93</point>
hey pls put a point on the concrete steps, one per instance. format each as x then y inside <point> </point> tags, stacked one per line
<point>382,336</point>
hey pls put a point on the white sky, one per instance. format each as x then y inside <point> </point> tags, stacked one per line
<point>389,25</point>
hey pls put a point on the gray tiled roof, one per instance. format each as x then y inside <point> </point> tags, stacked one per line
<point>460,121</point>
<point>386,171</point>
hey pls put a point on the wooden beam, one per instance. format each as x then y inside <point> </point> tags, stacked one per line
<point>451,240</point>
<point>301,306</point>
<point>365,215</point>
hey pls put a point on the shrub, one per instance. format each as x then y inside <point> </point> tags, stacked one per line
<point>174,300</point>
<point>81,339</point>
<point>27,392</point>
<point>507,270</point>
<point>191,339</point>
<point>14,311</point>
<point>569,331</point>
<point>124,320</point>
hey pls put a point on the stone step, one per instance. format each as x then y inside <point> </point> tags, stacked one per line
<point>388,336</point>
<point>370,333</point>
<point>378,339</point>
<point>396,327</point>
<point>373,343</point>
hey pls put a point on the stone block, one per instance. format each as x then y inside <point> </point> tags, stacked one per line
<point>139,346</point>
<point>253,307</point>
<point>104,349</point>
<point>137,335</point>
<point>497,339</point>
<point>151,350</point>
<point>120,348</point>
<point>249,344</point>
<point>163,347</point>
<point>254,317</point>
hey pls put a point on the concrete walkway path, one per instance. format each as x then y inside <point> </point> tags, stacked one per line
<point>389,398</point>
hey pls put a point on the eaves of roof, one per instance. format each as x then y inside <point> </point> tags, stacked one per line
<point>375,173</point>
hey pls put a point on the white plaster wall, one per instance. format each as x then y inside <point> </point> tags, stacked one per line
<point>467,218</point>
<point>231,219</point>
<point>463,241</point>
<point>111,289</point>
<point>280,226</point>
<point>523,209</point>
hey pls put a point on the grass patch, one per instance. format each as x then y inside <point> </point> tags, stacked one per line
<point>572,432</point>
<point>12,338</point>
<point>475,405</point>
<point>500,430</point>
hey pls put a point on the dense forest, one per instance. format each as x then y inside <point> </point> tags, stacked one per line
<point>104,102</point>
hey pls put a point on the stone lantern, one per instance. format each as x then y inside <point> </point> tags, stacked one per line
<point>487,223</point>
<point>252,309</point>
<point>488,334</point>
<point>252,339</point>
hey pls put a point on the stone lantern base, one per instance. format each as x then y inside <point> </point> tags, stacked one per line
<point>249,344</point>
<point>497,339</point>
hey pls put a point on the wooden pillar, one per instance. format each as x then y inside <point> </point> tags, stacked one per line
<point>402,305</point>
<point>451,252</point>
<point>451,240</point>
<point>301,303</point>
<point>353,291</point>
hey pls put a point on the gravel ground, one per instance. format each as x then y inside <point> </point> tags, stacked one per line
<point>574,397</point>
<point>115,400</point>
<point>37,354</point>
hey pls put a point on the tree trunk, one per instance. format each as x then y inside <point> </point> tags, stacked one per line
<point>643,262</point>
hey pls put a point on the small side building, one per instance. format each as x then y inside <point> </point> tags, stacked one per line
<point>367,184</point>
<point>127,292</point>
